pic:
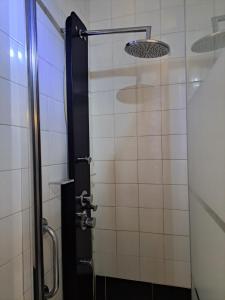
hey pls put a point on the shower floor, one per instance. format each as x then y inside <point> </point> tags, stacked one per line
<point>119,289</point>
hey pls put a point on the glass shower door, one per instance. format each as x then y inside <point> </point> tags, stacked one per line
<point>206,145</point>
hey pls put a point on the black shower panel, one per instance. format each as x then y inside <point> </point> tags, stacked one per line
<point>76,200</point>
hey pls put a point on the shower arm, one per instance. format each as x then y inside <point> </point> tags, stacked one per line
<point>215,22</point>
<point>146,29</point>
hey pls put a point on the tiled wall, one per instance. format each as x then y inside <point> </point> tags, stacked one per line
<point>139,180</point>
<point>206,98</point>
<point>14,160</point>
<point>15,196</point>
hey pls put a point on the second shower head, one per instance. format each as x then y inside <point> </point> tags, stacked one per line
<point>145,48</point>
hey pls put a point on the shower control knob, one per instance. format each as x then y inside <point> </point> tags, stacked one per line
<point>87,159</point>
<point>85,199</point>
<point>90,222</point>
<point>81,222</point>
<point>93,207</point>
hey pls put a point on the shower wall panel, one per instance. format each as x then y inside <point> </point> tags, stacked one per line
<point>206,146</point>
<point>139,145</point>
<point>15,248</point>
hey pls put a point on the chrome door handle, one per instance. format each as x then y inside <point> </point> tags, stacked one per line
<point>50,231</point>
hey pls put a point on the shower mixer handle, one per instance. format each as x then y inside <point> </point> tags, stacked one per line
<point>85,221</point>
<point>87,159</point>
<point>86,201</point>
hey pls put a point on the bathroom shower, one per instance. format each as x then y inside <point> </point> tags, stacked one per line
<point>144,48</point>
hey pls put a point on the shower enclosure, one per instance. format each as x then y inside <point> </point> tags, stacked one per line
<point>110,209</point>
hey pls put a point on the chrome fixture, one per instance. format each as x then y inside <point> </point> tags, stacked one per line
<point>87,201</point>
<point>83,159</point>
<point>50,231</point>
<point>84,221</point>
<point>213,41</point>
<point>145,48</point>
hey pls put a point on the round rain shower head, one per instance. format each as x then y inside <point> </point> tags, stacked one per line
<point>148,48</point>
<point>209,43</point>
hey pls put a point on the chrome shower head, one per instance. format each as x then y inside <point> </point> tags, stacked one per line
<point>147,48</point>
<point>211,42</point>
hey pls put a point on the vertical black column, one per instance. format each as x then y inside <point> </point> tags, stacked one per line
<point>78,147</point>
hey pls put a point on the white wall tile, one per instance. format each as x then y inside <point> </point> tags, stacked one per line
<point>172,70</point>
<point>105,218</point>
<point>17,156</point>
<point>125,77</point>
<point>149,147</point>
<point>152,270</point>
<point>105,241</point>
<point>102,103</point>
<point>173,96</point>
<point>43,112</point>
<point>105,264</point>
<point>104,172</point>
<point>176,222</point>
<point>10,23</point>
<point>101,80</point>
<point>176,197</point>
<point>176,41</point>
<point>149,123</point>
<point>127,195</point>
<point>10,192</point>
<point>103,149</point>
<point>26,229</point>
<point>151,220</point>
<point>148,98</point>
<point>127,243</point>
<point>127,218</point>
<point>172,19</point>
<point>99,10</point>
<point>174,146</point>
<point>147,5</point>
<point>46,39</point>
<point>11,234</point>
<point>148,74</point>
<point>175,172</point>
<point>150,196</point>
<point>13,64</point>
<point>174,122</point>
<point>126,171</point>
<point>56,116</point>
<point>51,81</point>
<point>126,148</point>
<point>122,8</point>
<point>103,126</point>
<point>57,148</point>
<point>13,104</point>
<point>177,248</point>
<point>101,56</point>
<point>120,57</point>
<point>178,273</point>
<point>151,245</point>
<point>128,267</point>
<point>104,194</point>
<point>11,279</point>
<point>125,100</point>
<point>149,18</point>
<point>150,171</point>
<point>125,125</point>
